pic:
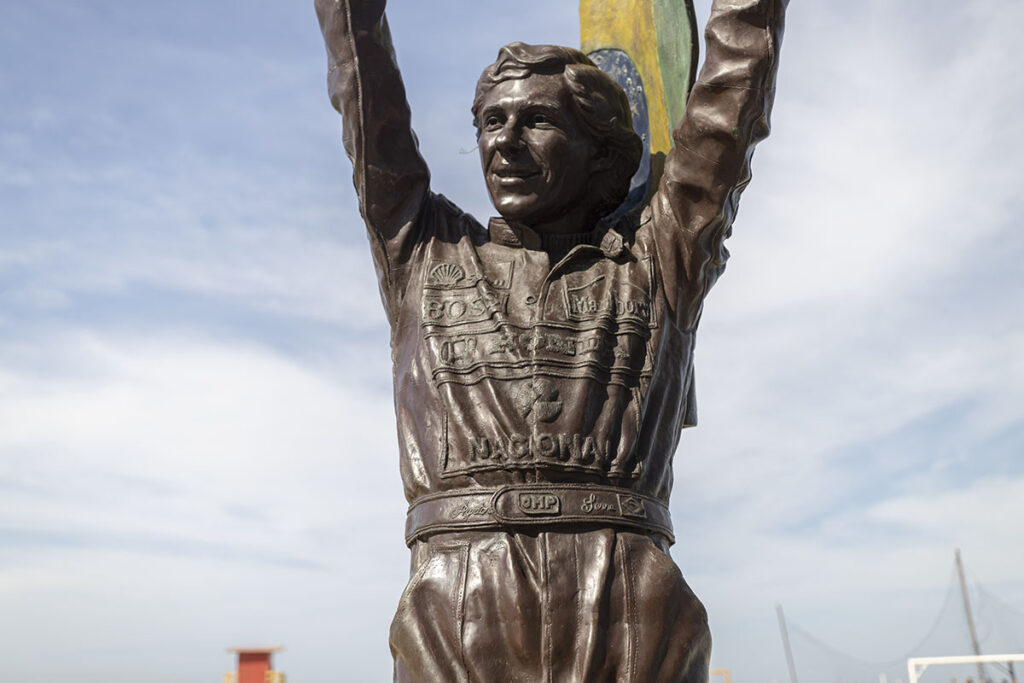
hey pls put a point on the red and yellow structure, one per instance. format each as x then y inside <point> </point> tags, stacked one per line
<point>254,666</point>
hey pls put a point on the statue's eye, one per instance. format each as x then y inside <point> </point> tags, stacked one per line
<point>492,123</point>
<point>541,120</point>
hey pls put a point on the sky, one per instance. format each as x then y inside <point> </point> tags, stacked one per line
<point>197,440</point>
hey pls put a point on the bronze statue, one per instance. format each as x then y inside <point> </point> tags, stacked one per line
<point>543,365</point>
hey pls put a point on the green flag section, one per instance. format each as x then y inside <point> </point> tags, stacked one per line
<point>650,48</point>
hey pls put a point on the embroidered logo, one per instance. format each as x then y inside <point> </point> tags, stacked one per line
<point>539,398</point>
<point>631,506</point>
<point>592,504</point>
<point>446,274</point>
<point>467,510</point>
<point>539,503</point>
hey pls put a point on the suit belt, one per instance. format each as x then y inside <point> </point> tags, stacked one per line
<point>536,505</point>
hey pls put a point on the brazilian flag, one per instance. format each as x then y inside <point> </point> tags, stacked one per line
<point>649,47</point>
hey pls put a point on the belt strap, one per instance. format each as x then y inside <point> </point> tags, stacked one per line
<point>532,505</point>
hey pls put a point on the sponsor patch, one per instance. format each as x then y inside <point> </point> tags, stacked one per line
<point>462,306</point>
<point>538,399</point>
<point>525,449</point>
<point>445,274</point>
<point>539,503</point>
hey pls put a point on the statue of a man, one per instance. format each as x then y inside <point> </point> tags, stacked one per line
<point>543,365</point>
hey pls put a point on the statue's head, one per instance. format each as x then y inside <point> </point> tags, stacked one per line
<point>556,138</point>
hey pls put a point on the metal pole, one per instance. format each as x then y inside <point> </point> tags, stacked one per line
<point>785,644</point>
<point>912,672</point>
<point>970,619</point>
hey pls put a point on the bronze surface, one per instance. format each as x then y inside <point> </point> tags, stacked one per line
<point>543,364</point>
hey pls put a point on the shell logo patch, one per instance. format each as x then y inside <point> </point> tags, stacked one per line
<point>446,274</point>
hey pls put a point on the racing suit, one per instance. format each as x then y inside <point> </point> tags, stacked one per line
<point>541,382</point>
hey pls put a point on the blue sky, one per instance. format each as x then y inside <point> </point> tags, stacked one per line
<point>197,443</point>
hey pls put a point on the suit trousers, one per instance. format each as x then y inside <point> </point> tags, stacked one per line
<point>589,606</point>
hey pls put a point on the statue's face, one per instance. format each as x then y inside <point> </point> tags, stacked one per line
<point>537,159</point>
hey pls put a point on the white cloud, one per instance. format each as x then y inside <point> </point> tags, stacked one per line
<point>187,430</point>
<point>203,494</point>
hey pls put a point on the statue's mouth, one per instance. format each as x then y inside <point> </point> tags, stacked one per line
<point>515,177</point>
<point>512,172</point>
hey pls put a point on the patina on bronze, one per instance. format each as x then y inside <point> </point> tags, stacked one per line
<point>543,365</point>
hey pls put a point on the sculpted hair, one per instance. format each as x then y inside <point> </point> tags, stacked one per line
<point>601,106</point>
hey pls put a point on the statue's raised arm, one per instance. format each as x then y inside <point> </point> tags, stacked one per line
<point>390,176</point>
<point>709,164</point>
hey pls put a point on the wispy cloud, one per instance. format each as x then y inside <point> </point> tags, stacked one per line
<point>179,479</point>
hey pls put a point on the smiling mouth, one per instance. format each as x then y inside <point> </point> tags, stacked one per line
<point>514,174</point>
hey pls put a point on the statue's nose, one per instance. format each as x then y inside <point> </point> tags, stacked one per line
<point>508,139</point>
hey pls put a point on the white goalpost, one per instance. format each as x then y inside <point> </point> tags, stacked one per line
<point>917,665</point>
